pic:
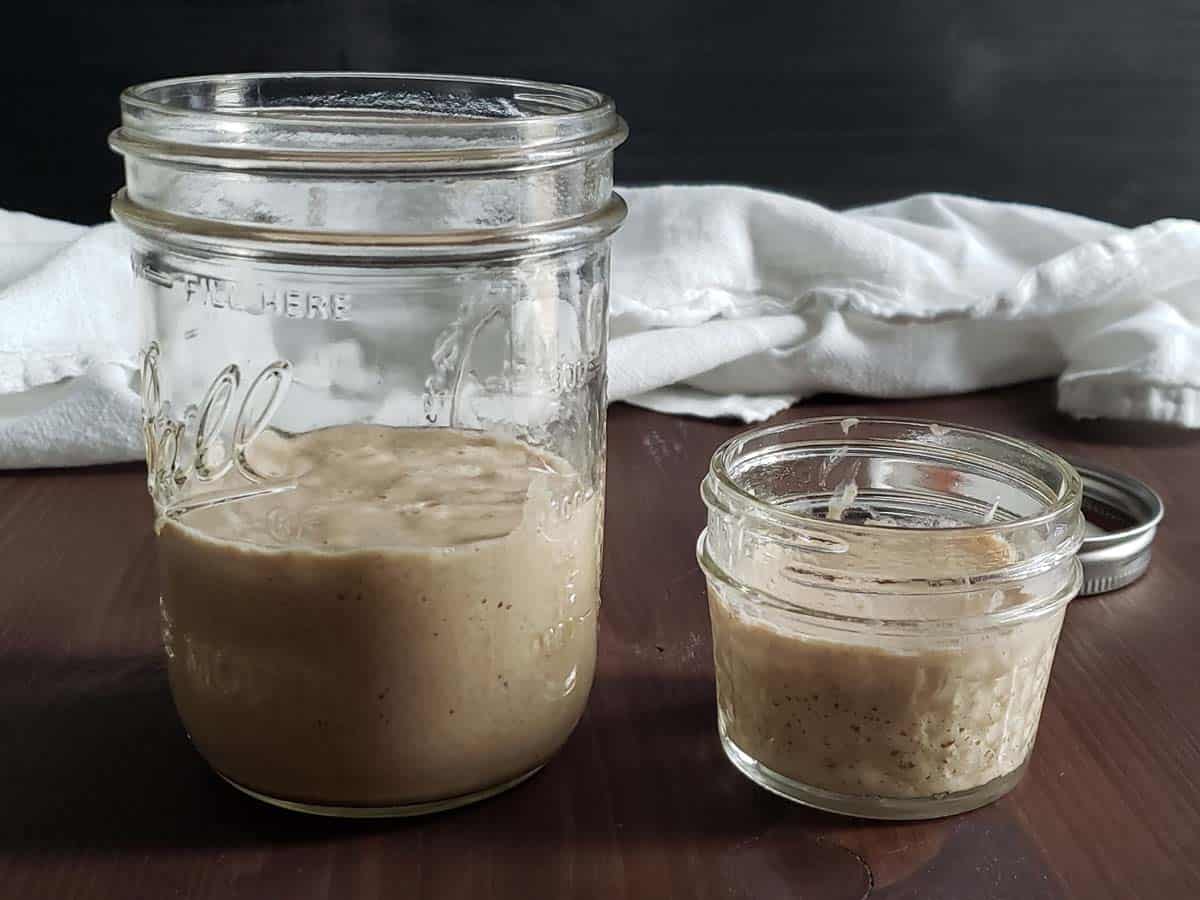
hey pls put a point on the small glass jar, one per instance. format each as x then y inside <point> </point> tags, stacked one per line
<point>374,403</point>
<point>886,596</point>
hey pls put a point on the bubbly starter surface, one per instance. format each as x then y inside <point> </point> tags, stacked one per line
<point>881,716</point>
<point>413,618</point>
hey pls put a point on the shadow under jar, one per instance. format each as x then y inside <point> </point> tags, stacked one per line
<point>374,393</point>
<point>886,596</point>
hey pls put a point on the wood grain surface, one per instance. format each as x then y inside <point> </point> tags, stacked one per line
<point>102,796</point>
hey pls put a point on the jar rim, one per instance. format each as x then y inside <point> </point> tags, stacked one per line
<point>1069,492</point>
<point>142,95</point>
<point>364,120</point>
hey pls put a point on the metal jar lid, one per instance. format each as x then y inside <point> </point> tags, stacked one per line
<point>1122,515</point>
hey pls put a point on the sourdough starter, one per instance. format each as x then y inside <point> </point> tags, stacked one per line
<point>414,620</point>
<point>871,715</point>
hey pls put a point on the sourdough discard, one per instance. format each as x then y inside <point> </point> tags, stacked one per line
<point>413,620</point>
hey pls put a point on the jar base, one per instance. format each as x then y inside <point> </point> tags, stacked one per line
<point>887,808</point>
<point>405,810</point>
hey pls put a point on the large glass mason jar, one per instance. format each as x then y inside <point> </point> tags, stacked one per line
<point>374,398</point>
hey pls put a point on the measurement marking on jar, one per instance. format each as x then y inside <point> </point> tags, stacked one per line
<point>223,293</point>
<point>571,376</point>
<point>294,304</point>
<point>215,292</point>
<point>143,270</point>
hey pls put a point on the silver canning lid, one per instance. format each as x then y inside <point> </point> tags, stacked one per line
<point>1122,515</point>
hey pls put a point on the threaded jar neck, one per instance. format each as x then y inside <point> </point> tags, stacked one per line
<point>893,520</point>
<point>368,164</point>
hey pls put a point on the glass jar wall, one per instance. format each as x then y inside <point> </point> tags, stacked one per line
<point>374,421</point>
<point>886,597</point>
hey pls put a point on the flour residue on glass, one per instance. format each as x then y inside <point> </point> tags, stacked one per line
<point>382,614</point>
<point>842,499</point>
<point>990,515</point>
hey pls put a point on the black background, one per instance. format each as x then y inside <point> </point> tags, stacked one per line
<point>1088,106</point>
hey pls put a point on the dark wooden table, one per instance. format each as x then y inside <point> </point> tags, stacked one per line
<point>103,797</point>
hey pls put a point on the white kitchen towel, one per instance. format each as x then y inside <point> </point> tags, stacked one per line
<point>726,301</point>
<point>69,345</point>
